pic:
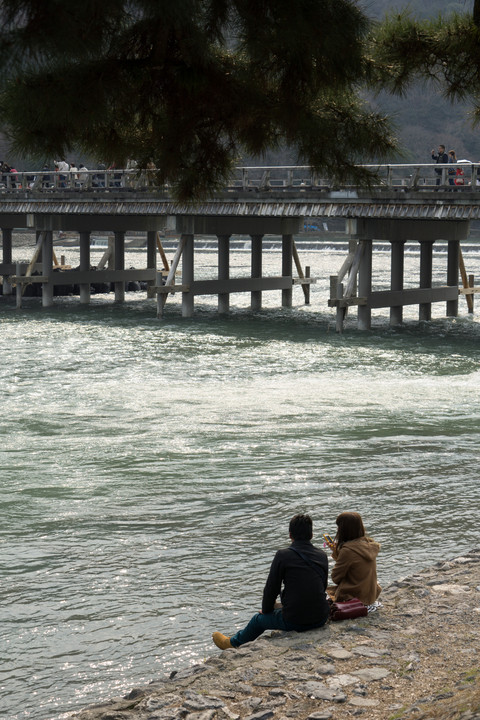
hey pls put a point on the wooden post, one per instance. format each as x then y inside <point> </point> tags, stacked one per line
<point>298,265</point>
<point>36,255</point>
<point>463,274</point>
<point>107,256</point>
<point>306,287</point>
<point>256,270</point>
<point>223,271</point>
<point>471,283</point>
<point>162,253</point>
<point>336,290</point>
<point>162,299</point>
<point>85,265</point>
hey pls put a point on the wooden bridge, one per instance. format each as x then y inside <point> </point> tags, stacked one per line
<point>407,203</point>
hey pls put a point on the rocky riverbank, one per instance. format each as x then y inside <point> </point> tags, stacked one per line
<point>417,657</point>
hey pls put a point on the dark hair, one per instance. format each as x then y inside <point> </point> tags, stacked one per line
<point>301,527</point>
<point>350,527</point>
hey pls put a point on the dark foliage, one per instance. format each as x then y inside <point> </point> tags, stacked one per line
<point>193,84</point>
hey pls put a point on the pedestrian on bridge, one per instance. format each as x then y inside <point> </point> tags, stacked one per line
<point>440,157</point>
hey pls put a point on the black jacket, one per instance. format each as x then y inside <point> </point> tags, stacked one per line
<point>303,596</point>
<point>440,158</point>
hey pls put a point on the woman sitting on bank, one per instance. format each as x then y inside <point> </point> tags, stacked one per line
<point>355,555</point>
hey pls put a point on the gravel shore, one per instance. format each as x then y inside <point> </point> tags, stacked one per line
<point>416,658</point>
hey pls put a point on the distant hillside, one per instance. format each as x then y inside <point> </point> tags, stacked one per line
<point>423,119</point>
<point>419,8</point>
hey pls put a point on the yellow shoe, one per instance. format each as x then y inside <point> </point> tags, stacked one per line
<point>221,641</point>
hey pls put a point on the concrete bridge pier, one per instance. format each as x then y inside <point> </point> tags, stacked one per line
<point>365,285</point>
<point>47,268</point>
<point>7,256</point>
<point>453,257</point>
<point>287,269</point>
<point>256,271</point>
<point>188,274</point>
<point>223,271</point>
<point>151,252</point>
<point>84,264</point>
<point>426,267</point>
<point>397,267</point>
<point>119,264</point>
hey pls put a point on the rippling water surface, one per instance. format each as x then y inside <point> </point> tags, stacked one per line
<point>149,469</point>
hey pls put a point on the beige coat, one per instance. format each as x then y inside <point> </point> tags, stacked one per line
<point>355,571</point>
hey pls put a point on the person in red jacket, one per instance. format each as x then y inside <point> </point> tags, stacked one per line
<point>355,555</point>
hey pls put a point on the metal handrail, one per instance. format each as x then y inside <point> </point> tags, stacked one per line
<point>279,178</point>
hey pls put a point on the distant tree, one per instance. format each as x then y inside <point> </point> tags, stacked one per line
<point>192,83</point>
<point>445,50</point>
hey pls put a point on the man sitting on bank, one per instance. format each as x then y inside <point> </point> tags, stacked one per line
<point>303,570</point>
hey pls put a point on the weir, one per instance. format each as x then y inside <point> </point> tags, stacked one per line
<point>408,203</point>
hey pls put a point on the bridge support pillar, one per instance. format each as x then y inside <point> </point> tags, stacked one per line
<point>256,271</point>
<point>47,268</point>
<point>187,274</point>
<point>365,286</point>
<point>119,264</point>
<point>85,265</point>
<point>151,252</point>
<point>396,278</point>
<point>223,271</point>
<point>426,265</point>
<point>7,256</point>
<point>287,266</point>
<point>453,256</point>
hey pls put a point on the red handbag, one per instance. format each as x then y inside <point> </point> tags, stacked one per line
<point>347,610</point>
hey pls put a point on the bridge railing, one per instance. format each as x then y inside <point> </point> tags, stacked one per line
<point>461,176</point>
<point>417,177</point>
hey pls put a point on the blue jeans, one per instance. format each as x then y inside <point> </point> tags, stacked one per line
<point>268,621</point>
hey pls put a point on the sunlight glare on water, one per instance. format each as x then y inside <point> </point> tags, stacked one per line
<point>150,469</point>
